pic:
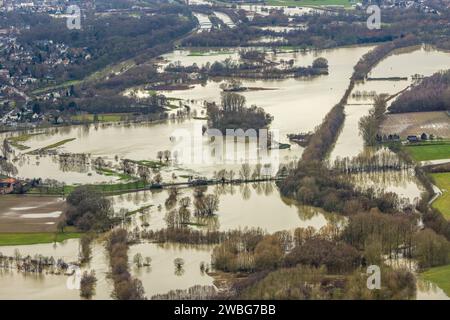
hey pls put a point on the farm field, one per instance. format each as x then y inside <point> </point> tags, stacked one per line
<point>22,214</point>
<point>442,180</point>
<point>429,151</point>
<point>416,123</point>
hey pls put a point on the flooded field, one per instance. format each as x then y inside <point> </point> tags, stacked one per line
<point>252,206</point>
<point>157,279</point>
<point>298,105</point>
<point>421,60</point>
<point>162,276</point>
<point>48,286</point>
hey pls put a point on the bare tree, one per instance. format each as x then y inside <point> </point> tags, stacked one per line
<point>167,155</point>
<point>245,171</point>
<point>160,155</point>
<point>211,204</point>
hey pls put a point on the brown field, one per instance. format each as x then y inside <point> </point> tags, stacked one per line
<point>415,123</point>
<point>29,213</point>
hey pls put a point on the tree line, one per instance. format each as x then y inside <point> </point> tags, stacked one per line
<point>429,94</point>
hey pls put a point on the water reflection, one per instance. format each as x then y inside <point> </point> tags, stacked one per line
<point>247,205</point>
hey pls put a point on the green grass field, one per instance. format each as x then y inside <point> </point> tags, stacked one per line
<point>309,3</point>
<point>442,180</point>
<point>429,151</point>
<point>439,276</point>
<point>110,188</point>
<point>13,239</point>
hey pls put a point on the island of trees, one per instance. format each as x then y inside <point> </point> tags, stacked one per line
<point>233,113</point>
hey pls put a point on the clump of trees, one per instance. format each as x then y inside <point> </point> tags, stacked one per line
<point>88,210</point>
<point>233,114</point>
<point>125,286</point>
<point>392,233</point>
<point>309,264</point>
<point>337,257</point>
<point>430,94</point>
<point>431,249</point>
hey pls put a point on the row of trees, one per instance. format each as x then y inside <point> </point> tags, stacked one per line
<point>125,286</point>
<point>369,125</point>
<point>253,66</point>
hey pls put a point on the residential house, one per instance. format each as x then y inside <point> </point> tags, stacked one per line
<point>7,185</point>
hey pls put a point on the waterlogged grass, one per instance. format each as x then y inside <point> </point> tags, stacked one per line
<point>18,141</point>
<point>208,53</point>
<point>309,3</point>
<point>14,239</point>
<point>442,180</point>
<point>150,163</point>
<point>427,151</point>
<point>108,188</point>
<point>112,173</point>
<point>140,210</point>
<point>104,117</point>
<point>439,276</point>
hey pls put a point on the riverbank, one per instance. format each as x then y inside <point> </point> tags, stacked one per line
<point>440,276</point>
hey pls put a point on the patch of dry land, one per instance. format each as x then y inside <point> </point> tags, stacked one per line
<point>416,123</point>
<point>19,213</point>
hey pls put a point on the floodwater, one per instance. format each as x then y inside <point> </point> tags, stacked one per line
<point>419,60</point>
<point>18,285</point>
<point>423,61</point>
<point>427,290</point>
<point>298,105</point>
<point>253,206</point>
<point>159,278</point>
<point>162,276</point>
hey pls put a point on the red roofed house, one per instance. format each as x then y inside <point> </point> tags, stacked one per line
<point>7,185</point>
